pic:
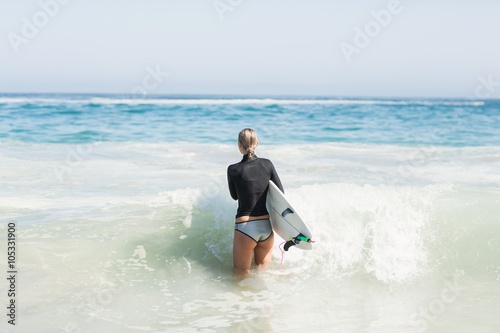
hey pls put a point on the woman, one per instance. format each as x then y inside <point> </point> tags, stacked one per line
<point>248,183</point>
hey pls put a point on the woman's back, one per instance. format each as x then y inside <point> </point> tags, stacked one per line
<point>248,183</point>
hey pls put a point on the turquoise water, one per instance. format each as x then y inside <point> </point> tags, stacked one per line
<point>81,119</point>
<point>125,221</point>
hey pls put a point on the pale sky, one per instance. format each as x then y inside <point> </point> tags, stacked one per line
<point>425,48</point>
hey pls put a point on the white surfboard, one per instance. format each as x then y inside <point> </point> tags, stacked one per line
<point>286,221</point>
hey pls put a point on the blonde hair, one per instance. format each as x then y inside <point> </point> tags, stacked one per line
<point>248,140</point>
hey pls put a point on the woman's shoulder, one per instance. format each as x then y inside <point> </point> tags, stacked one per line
<point>233,167</point>
<point>265,161</point>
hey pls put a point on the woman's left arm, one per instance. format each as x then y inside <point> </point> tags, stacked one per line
<point>276,179</point>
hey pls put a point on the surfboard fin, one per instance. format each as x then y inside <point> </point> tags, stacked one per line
<point>296,240</point>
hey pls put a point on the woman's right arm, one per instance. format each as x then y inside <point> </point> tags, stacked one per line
<point>232,188</point>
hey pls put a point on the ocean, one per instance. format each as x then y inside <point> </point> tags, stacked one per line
<point>123,220</point>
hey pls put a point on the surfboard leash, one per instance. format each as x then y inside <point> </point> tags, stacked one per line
<point>291,242</point>
<point>282,255</point>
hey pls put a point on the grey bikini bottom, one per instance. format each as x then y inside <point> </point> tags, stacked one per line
<point>258,230</point>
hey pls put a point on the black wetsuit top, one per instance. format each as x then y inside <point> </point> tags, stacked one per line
<point>248,182</point>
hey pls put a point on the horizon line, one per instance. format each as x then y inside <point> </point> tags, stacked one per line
<point>247,96</point>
